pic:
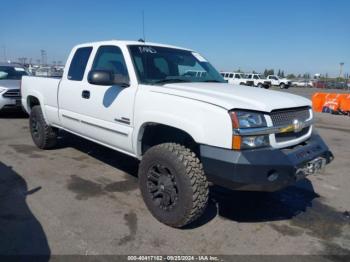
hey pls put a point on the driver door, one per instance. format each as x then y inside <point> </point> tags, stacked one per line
<point>108,112</point>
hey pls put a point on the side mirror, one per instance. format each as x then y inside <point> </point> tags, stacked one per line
<point>101,77</point>
<point>107,78</point>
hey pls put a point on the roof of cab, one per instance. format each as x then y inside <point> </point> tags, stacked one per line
<point>126,43</point>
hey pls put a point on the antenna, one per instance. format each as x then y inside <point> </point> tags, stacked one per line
<point>143,26</point>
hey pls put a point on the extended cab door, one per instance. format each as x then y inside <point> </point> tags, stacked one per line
<point>105,113</point>
<point>274,80</point>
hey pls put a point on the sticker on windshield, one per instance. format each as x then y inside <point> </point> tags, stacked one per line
<point>19,69</point>
<point>147,49</point>
<point>199,57</point>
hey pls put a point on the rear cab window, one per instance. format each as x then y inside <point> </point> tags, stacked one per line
<point>78,64</point>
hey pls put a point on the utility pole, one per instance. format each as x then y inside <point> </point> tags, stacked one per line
<point>341,69</point>
<point>4,53</point>
<point>43,57</point>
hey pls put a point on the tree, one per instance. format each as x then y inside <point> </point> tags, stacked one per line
<point>282,74</point>
<point>291,76</point>
<point>279,72</point>
<point>266,72</point>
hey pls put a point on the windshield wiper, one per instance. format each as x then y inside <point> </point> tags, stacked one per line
<point>175,80</point>
<point>213,81</point>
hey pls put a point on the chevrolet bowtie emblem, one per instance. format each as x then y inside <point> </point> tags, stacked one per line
<point>296,127</point>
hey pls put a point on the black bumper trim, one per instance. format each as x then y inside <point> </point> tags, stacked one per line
<point>249,169</point>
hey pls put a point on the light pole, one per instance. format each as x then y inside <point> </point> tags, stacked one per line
<point>341,69</point>
<point>4,50</point>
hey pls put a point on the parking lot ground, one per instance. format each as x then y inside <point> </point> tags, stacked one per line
<point>82,198</point>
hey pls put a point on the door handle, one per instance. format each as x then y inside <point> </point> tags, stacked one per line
<point>85,94</point>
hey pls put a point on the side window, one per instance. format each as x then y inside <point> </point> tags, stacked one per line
<point>78,65</point>
<point>111,58</point>
<point>256,77</point>
<point>231,76</point>
<point>226,75</point>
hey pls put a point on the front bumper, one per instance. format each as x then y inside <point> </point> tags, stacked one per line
<point>10,103</point>
<point>253,170</point>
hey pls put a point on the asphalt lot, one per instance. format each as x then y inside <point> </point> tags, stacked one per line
<point>82,198</point>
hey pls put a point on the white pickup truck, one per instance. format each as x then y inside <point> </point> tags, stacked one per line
<point>283,83</point>
<point>258,80</point>
<point>186,129</point>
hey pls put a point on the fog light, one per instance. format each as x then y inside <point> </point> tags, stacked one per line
<point>255,141</point>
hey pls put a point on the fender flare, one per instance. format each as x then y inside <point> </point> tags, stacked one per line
<point>38,96</point>
<point>195,131</point>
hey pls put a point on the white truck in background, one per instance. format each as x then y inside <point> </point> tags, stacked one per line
<point>258,80</point>
<point>283,83</point>
<point>186,129</point>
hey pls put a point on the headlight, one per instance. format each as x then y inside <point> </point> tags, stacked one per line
<point>246,119</point>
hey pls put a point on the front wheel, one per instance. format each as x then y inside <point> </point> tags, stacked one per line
<point>282,86</point>
<point>173,184</point>
<point>43,135</point>
<point>260,85</point>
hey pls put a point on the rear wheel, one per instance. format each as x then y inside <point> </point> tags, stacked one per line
<point>260,85</point>
<point>173,184</point>
<point>44,136</point>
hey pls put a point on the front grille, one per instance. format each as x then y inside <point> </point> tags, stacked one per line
<point>15,94</point>
<point>283,137</point>
<point>287,116</point>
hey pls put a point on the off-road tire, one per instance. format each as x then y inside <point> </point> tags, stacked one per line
<point>282,86</point>
<point>43,135</point>
<point>190,180</point>
<point>260,85</point>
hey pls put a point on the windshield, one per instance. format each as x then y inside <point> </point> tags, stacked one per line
<point>11,73</point>
<point>159,65</point>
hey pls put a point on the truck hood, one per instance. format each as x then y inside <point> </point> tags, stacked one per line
<point>10,84</point>
<point>234,96</point>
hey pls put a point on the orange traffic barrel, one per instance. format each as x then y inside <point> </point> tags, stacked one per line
<point>345,103</point>
<point>318,100</point>
<point>332,102</point>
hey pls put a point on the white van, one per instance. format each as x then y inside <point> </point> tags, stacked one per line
<point>234,78</point>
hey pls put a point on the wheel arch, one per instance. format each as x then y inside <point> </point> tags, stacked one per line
<point>35,99</point>
<point>154,133</point>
